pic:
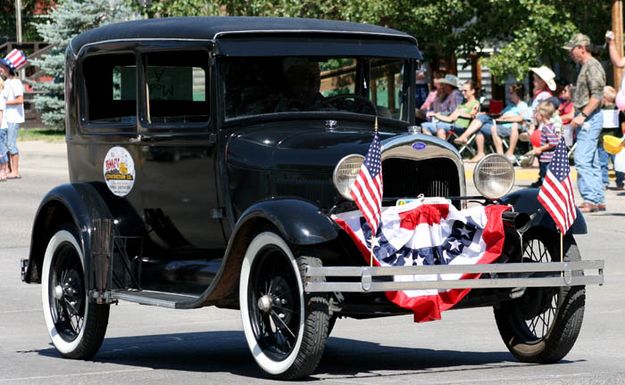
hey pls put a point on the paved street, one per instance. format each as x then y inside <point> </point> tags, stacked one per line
<point>147,345</point>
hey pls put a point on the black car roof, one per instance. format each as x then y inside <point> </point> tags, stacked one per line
<point>216,27</point>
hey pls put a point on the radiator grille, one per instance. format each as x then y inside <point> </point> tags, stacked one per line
<point>404,178</point>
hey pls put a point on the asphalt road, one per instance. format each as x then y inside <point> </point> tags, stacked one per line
<point>147,345</point>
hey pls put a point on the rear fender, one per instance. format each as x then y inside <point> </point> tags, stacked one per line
<point>77,204</point>
<point>526,201</point>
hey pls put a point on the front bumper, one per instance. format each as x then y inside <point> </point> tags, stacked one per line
<point>363,279</point>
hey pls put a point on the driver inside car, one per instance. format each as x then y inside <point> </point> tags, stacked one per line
<point>302,82</point>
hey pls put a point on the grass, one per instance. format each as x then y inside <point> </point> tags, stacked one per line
<point>43,134</point>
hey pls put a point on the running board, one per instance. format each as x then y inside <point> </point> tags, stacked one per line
<point>154,298</point>
<point>363,279</point>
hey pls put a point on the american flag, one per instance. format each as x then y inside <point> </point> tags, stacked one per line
<point>556,192</point>
<point>427,232</point>
<point>367,188</point>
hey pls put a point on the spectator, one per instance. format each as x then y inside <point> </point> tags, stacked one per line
<point>617,61</point>
<point>544,83</point>
<point>459,119</point>
<point>588,123</point>
<point>436,92</point>
<point>3,134</point>
<point>506,125</point>
<point>566,110</point>
<point>610,123</point>
<point>549,139</point>
<point>14,94</point>
<point>448,97</point>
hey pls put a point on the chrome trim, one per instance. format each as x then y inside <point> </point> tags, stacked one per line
<point>401,147</point>
<point>561,274</point>
<point>480,164</point>
<point>338,164</point>
<point>319,31</point>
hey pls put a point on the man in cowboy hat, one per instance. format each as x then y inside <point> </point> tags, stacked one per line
<point>449,99</point>
<point>588,122</point>
<point>14,112</point>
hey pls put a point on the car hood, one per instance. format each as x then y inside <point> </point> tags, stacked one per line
<point>289,146</point>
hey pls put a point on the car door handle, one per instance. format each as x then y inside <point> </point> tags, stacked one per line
<point>141,139</point>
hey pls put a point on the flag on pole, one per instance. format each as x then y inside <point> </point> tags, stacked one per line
<point>367,188</point>
<point>556,192</point>
<point>428,232</point>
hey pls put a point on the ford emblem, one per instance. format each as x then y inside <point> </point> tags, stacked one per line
<point>418,146</point>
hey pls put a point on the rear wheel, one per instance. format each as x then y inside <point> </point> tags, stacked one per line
<point>75,325</point>
<point>542,325</point>
<point>286,329</point>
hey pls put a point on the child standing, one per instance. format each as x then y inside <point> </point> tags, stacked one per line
<point>549,138</point>
<point>4,159</point>
<point>610,126</point>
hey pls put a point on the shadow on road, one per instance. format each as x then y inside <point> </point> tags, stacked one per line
<point>226,351</point>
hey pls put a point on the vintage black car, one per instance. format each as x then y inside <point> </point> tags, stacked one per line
<point>207,157</point>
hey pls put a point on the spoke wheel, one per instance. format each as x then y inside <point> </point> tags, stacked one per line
<point>75,326</point>
<point>286,330</point>
<point>542,325</point>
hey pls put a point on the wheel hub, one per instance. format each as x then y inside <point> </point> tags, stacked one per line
<point>264,303</point>
<point>58,292</point>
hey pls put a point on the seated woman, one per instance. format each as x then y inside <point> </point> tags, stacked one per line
<point>459,119</point>
<point>506,125</point>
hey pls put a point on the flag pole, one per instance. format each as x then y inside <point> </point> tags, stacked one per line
<point>561,246</point>
<point>561,251</point>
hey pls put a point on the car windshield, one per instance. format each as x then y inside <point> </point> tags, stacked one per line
<point>371,86</point>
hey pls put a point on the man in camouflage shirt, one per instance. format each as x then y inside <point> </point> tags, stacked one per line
<point>588,123</point>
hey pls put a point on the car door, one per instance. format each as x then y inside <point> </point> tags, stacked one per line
<point>177,153</point>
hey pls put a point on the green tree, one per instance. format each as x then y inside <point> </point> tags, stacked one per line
<point>67,20</point>
<point>524,33</point>
<point>30,14</point>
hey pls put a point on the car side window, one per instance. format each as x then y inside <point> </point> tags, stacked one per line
<point>110,84</point>
<point>176,88</point>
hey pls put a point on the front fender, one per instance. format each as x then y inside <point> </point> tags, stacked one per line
<point>300,222</point>
<point>77,204</point>
<point>526,201</point>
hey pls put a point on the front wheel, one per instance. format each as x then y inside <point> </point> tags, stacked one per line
<point>286,329</point>
<point>75,325</point>
<point>542,325</point>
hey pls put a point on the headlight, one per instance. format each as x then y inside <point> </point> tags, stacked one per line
<point>493,176</point>
<point>345,173</point>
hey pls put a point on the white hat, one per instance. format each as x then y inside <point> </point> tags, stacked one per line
<point>547,75</point>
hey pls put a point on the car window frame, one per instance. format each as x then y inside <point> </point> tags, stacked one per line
<point>169,46</point>
<point>86,125</point>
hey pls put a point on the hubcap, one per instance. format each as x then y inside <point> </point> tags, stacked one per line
<point>264,303</point>
<point>58,292</point>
